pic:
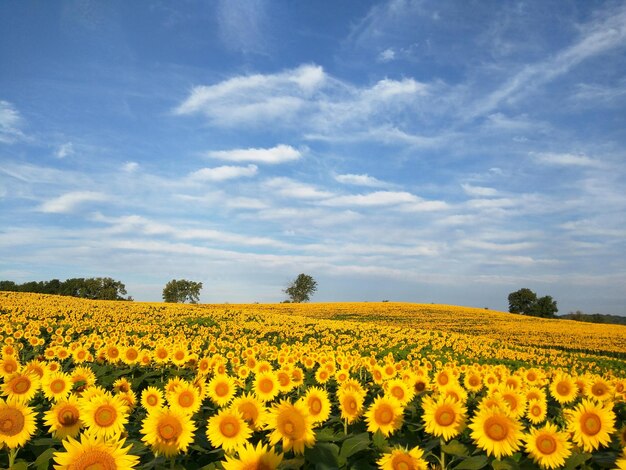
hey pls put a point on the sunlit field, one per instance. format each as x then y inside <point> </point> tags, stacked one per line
<point>97,384</point>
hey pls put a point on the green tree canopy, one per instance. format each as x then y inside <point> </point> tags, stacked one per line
<point>301,289</point>
<point>95,288</point>
<point>525,302</point>
<point>182,290</point>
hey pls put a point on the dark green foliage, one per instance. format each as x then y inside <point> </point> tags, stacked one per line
<point>301,289</point>
<point>594,318</point>
<point>181,291</point>
<point>525,302</point>
<point>94,288</point>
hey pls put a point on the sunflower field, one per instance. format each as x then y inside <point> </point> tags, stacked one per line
<point>129,385</point>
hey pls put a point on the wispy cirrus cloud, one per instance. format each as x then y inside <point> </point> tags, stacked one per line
<point>565,159</point>
<point>361,180</point>
<point>223,173</point>
<point>278,154</point>
<point>11,123</point>
<point>70,202</point>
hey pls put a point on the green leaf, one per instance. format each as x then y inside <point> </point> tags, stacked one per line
<point>576,460</point>
<point>353,445</point>
<point>327,435</point>
<point>323,452</point>
<point>21,465</point>
<point>473,463</point>
<point>43,461</point>
<point>380,442</point>
<point>455,448</point>
<point>506,464</point>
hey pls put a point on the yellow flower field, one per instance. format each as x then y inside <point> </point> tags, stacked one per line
<point>97,384</point>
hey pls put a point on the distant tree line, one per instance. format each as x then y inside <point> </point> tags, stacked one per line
<point>95,288</point>
<point>594,317</point>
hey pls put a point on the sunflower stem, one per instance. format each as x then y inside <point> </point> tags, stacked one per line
<point>345,427</point>
<point>442,459</point>
<point>12,455</point>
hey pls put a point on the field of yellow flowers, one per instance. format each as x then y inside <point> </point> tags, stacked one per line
<point>129,385</point>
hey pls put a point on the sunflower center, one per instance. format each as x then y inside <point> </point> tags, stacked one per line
<point>397,392</point>
<point>161,353</point>
<point>420,386</point>
<point>598,390</point>
<point>113,353</point>
<point>179,355</point>
<point>266,385</point>
<point>131,354</point>
<point>535,410</point>
<point>95,460</point>
<point>384,415</point>
<point>315,405</point>
<point>152,400</point>
<point>57,386</point>
<point>221,390</point>
<point>283,379</point>
<point>511,401</point>
<point>444,417</point>
<point>402,462</point>
<point>546,444</point>
<point>531,376</point>
<point>105,416</point>
<point>473,381</point>
<point>169,429</point>
<point>563,388</point>
<point>590,424</point>
<point>443,379</point>
<point>229,428</point>
<point>495,429</point>
<point>352,404</point>
<point>21,385</point>
<point>10,368</point>
<point>11,421</point>
<point>289,428</point>
<point>293,425</point>
<point>68,416</point>
<point>185,399</point>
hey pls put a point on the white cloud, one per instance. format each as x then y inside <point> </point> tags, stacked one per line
<point>10,123</point>
<point>222,173</point>
<point>130,167</point>
<point>360,180</point>
<point>565,159</point>
<point>241,25</point>
<point>65,150</point>
<point>70,201</point>
<point>480,191</point>
<point>377,198</point>
<point>387,55</point>
<point>287,187</point>
<point>279,154</point>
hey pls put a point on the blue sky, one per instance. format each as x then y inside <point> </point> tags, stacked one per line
<point>423,151</point>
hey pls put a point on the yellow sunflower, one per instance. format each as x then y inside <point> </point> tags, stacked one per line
<point>515,401</point>
<point>444,417</point>
<point>228,430</point>
<point>21,387</point>
<point>564,389</point>
<point>292,424</point>
<point>600,389</point>
<point>547,446</point>
<point>351,405</point>
<point>17,423</point>
<point>403,459</point>
<point>63,418</point>
<point>9,365</point>
<point>385,414</point>
<point>221,389</point>
<point>473,381</point>
<point>152,398</point>
<point>620,464</point>
<point>185,398</point>
<point>56,385</point>
<point>250,457</point>
<point>168,431</point>
<point>318,404</point>
<point>537,411</point>
<point>496,432</point>
<point>252,410</point>
<point>400,390</point>
<point>92,452</point>
<point>266,386</point>
<point>591,425</point>
<point>104,415</point>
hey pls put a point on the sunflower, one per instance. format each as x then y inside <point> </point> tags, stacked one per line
<point>266,386</point>
<point>9,365</point>
<point>322,375</point>
<point>297,376</point>
<point>56,385</point>
<point>104,415</point>
<point>168,431</point>
<point>400,390</point>
<point>251,409</point>
<point>285,383</point>
<point>221,389</point>
<point>318,404</point>
<point>455,391</point>
<point>600,389</point>
<point>250,457</point>
<point>444,417</point>
<point>92,452</point>
<point>537,411</point>
<point>21,387</point>
<point>591,425</point>
<point>83,377</point>
<point>403,459</point>
<point>497,433</point>
<point>227,430</point>
<point>122,385</point>
<point>17,423</point>
<point>385,414</point>
<point>152,398</point>
<point>351,405</point>
<point>63,418</point>
<point>444,377</point>
<point>421,384</point>
<point>563,389</point>
<point>547,446</point>
<point>515,401</point>
<point>185,398</point>
<point>622,436</point>
<point>292,424</point>
<point>473,381</point>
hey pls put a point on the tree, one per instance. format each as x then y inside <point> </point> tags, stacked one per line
<point>182,290</point>
<point>522,301</point>
<point>544,307</point>
<point>301,288</point>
